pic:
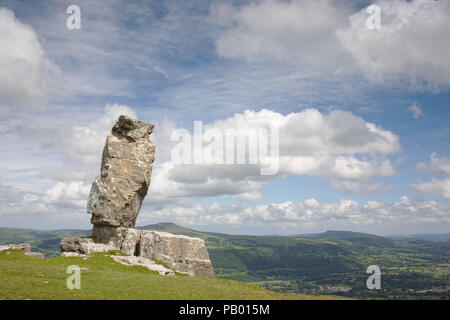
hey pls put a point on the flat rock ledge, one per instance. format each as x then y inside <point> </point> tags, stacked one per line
<point>143,262</point>
<point>82,246</point>
<point>181,253</point>
<point>25,247</point>
<point>74,254</point>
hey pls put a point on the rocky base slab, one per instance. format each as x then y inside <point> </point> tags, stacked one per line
<point>83,246</point>
<point>181,253</point>
<point>74,254</point>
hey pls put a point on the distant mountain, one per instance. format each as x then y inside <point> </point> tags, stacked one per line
<point>429,237</point>
<point>356,238</point>
<point>22,235</point>
<point>172,228</point>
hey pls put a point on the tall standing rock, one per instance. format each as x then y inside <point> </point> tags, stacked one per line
<point>117,193</point>
<point>115,200</point>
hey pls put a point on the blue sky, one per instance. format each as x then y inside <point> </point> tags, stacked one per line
<point>363,114</point>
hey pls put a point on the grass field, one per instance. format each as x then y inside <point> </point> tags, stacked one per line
<point>23,277</point>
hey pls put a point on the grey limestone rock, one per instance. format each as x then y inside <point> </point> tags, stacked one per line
<point>183,254</point>
<point>143,262</point>
<point>131,241</point>
<point>25,247</point>
<point>117,193</point>
<point>115,200</point>
<point>83,245</point>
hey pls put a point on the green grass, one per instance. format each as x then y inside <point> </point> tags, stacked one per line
<point>23,277</point>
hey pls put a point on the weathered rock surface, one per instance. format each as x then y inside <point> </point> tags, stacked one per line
<point>115,200</point>
<point>117,193</point>
<point>74,254</point>
<point>25,247</point>
<point>131,241</point>
<point>109,235</point>
<point>143,262</point>
<point>83,245</point>
<point>181,253</point>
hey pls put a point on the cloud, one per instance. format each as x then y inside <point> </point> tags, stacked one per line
<point>336,146</point>
<point>123,49</point>
<point>171,181</point>
<point>15,201</point>
<point>73,194</point>
<point>412,43</point>
<point>41,149</point>
<point>67,201</point>
<point>27,76</point>
<point>85,143</point>
<point>436,167</point>
<point>50,210</point>
<point>435,186</point>
<point>300,32</point>
<point>328,36</point>
<point>356,187</point>
<point>311,203</point>
<point>415,110</point>
<point>307,214</point>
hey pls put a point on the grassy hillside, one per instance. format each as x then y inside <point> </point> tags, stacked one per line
<point>333,262</point>
<point>23,277</point>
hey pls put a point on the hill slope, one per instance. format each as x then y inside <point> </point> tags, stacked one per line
<point>356,238</point>
<point>102,278</point>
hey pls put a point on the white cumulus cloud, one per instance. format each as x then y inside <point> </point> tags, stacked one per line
<point>436,167</point>
<point>412,43</point>
<point>310,143</point>
<point>300,32</point>
<point>73,194</point>
<point>356,187</point>
<point>415,110</point>
<point>85,143</point>
<point>308,214</point>
<point>435,186</point>
<point>27,76</point>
